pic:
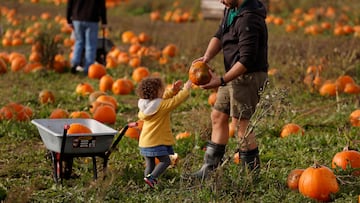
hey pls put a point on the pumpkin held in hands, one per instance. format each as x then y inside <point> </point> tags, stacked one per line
<point>199,73</point>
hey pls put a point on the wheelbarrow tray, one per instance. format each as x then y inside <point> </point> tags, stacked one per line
<point>52,132</point>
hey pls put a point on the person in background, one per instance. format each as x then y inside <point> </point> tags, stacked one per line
<point>83,17</point>
<point>242,37</point>
<point>156,139</point>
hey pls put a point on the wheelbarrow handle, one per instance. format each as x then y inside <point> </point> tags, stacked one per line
<point>119,137</point>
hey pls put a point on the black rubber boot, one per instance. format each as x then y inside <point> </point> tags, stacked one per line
<point>212,159</point>
<point>251,160</point>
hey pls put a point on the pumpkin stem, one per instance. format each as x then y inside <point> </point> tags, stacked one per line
<point>316,164</point>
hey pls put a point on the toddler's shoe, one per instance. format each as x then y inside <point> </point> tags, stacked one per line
<point>150,180</point>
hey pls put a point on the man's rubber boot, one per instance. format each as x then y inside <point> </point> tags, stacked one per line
<point>250,160</point>
<point>212,159</point>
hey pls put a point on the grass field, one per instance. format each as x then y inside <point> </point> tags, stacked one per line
<point>26,172</point>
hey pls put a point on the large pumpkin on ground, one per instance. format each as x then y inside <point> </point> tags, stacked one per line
<point>199,73</point>
<point>318,182</point>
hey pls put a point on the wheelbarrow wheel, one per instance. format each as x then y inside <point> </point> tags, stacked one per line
<point>56,166</point>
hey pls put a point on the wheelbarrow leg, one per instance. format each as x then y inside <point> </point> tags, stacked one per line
<point>94,167</point>
<point>68,163</point>
<point>56,166</point>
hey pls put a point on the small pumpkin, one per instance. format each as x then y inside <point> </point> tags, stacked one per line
<point>328,89</point>
<point>94,95</point>
<point>79,114</point>
<point>78,128</point>
<point>291,128</point>
<point>139,73</point>
<point>182,135</point>
<point>169,50</point>
<point>96,71</point>
<point>318,182</point>
<point>236,158</point>
<point>346,159</point>
<point>342,81</point>
<point>105,83</point>
<point>199,73</point>
<point>133,133</point>
<point>46,96</point>
<point>212,98</point>
<point>293,178</point>
<point>105,114</point>
<point>84,89</point>
<point>108,98</point>
<point>59,113</point>
<point>355,118</point>
<point>122,86</point>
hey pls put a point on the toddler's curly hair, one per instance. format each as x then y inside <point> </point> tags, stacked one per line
<point>150,88</point>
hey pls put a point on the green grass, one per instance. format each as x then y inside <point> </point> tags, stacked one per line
<point>26,171</point>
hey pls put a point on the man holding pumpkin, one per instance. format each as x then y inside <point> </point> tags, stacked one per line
<point>242,37</point>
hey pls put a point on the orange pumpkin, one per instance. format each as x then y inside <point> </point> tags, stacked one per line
<point>96,71</point>
<point>95,104</point>
<point>127,36</point>
<point>15,111</point>
<point>122,86</point>
<point>182,135</point>
<point>46,96</point>
<point>133,133</point>
<point>346,159</point>
<point>105,83</point>
<point>293,179</point>
<point>318,182</point>
<point>105,114</point>
<point>232,129</point>
<point>328,89</point>
<point>352,88</point>
<point>59,113</point>
<point>108,98</point>
<point>236,158</point>
<point>342,81</point>
<point>169,50</point>
<point>6,113</point>
<point>199,73</point>
<point>94,95</point>
<point>139,73</point>
<point>155,15</point>
<point>78,128</point>
<point>291,128</point>
<point>3,66</point>
<point>84,89</point>
<point>355,118</point>
<point>212,98</point>
<point>18,63</point>
<point>79,114</point>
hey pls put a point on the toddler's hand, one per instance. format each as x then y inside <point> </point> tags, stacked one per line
<point>176,86</point>
<point>187,85</point>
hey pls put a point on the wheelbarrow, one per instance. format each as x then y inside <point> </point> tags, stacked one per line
<point>62,148</point>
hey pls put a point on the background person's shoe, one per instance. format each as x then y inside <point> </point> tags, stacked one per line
<point>76,69</point>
